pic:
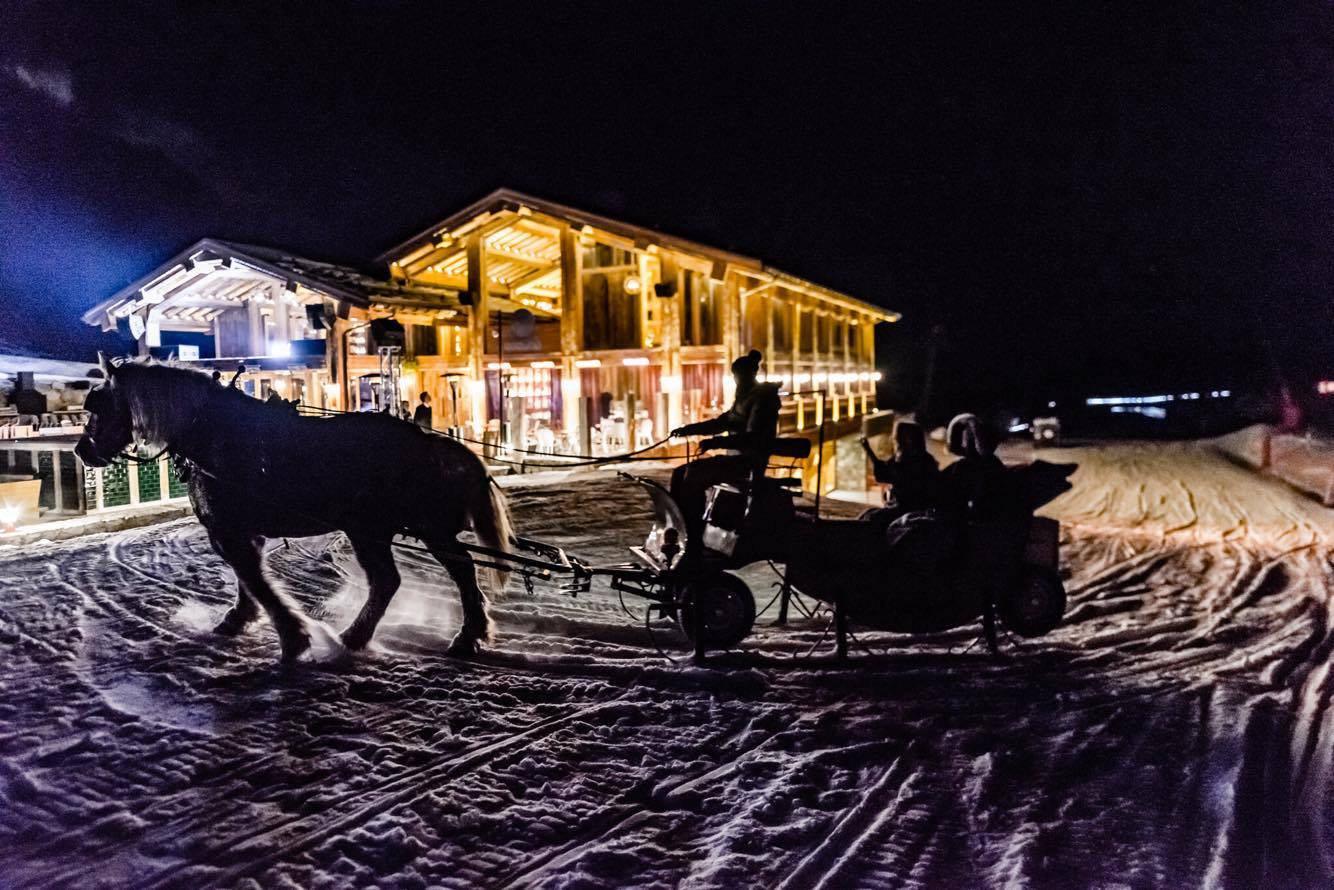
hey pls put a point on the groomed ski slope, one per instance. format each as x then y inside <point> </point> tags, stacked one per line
<point>1175,732</point>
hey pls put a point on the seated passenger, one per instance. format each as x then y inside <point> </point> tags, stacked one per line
<point>912,474</point>
<point>974,484</point>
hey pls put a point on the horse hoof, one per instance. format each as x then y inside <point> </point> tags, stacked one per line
<point>230,627</point>
<point>464,647</point>
<point>353,640</point>
<point>294,647</point>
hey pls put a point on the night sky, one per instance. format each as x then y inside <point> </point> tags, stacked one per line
<point>1084,199</point>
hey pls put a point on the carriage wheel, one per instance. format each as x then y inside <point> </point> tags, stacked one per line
<point>1034,604</point>
<point>727,610</point>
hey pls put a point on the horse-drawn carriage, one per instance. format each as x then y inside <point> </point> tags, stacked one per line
<point>261,473</point>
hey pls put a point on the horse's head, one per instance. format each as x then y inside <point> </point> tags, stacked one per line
<point>109,429</point>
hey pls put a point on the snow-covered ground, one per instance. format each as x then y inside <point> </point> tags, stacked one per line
<point>1175,732</point>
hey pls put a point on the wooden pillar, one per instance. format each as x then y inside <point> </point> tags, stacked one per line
<point>282,316</point>
<point>669,313</point>
<point>479,327</point>
<point>571,332</point>
<point>850,385</point>
<point>770,307</point>
<point>794,331</point>
<point>732,318</point>
<point>333,357</point>
<point>256,339</point>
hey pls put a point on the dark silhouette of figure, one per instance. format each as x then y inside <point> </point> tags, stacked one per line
<point>749,428</point>
<point>422,416</point>
<point>973,485</point>
<point>912,473</point>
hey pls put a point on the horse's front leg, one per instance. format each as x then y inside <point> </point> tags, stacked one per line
<point>245,611</point>
<point>377,560</point>
<point>245,554</point>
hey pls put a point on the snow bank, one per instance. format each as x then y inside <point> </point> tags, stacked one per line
<point>1305,462</point>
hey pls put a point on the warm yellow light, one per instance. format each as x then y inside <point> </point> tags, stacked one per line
<point>635,361</point>
<point>876,376</point>
<point>632,284</point>
<point>588,363</point>
<point>498,366</point>
<point>547,365</point>
<point>671,383</point>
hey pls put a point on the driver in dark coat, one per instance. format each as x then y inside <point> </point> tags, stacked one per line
<point>749,427</point>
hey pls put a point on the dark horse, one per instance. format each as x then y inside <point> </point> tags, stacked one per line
<point>262,471</point>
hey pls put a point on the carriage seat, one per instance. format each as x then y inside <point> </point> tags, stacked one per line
<point>791,446</point>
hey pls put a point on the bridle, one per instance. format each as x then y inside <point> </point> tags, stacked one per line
<point>126,452</point>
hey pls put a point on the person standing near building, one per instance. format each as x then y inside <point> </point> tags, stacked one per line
<point>422,416</point>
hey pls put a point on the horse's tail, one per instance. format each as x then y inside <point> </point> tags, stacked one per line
<point>491,523</point>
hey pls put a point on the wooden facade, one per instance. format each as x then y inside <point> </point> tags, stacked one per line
<point>627,325</point>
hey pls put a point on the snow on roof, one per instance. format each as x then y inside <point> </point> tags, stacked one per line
<point>45,368</point>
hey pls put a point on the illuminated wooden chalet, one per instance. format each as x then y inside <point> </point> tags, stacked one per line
<point>623,316</point>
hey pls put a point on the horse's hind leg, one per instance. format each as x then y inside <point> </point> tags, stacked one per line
<point>476,623</point>
<point>245,555</point>
<point>377,560</point>
<point>246,609</point>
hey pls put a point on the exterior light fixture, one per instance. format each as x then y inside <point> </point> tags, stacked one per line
<point>280,349</point>
<point>588,363</point>
<point>877,376</point>
<point>633,284</point>
<point>635,362</point>
<point>498,366</point>
<point>546,365</point>
<point>9,517</point>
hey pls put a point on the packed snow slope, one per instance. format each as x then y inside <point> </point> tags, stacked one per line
<point>1175,732</point>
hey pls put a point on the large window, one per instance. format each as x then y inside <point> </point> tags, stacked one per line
<point>701,310</point>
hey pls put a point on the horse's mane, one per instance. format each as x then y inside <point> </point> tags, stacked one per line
<point>164,399</point>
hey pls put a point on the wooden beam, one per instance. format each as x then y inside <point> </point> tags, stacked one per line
<point>479,328</point>
<point>572,293</point>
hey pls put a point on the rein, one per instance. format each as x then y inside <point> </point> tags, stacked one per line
<point>143,460</point>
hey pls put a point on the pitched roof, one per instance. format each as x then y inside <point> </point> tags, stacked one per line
<point>263,266</point>
<point>502,200</point>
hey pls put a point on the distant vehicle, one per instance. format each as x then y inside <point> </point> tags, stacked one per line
<point>1046,430</point>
